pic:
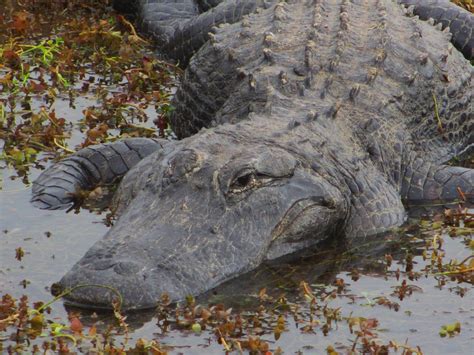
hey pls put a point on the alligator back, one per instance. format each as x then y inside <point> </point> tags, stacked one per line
<point>390,81</point>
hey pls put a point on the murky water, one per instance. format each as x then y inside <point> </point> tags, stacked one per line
<point>49,255</point>
<point>54,240</point>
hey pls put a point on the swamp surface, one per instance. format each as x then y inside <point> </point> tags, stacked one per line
<point>409,291</point>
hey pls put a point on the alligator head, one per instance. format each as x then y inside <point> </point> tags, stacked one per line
<point>200,212</point>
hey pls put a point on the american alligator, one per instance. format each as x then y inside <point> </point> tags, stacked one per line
<point>316,119</point>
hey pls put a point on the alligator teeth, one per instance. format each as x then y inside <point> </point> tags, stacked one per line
<point>431,21</point>
<point>411,10</point>
<point>439,26</point>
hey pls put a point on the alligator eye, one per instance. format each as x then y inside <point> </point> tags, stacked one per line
<point>243,182</point>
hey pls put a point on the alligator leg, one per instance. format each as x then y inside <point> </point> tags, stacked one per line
<point>459,21</point>
<point>58,185</point>
<point>375,205</point>
<point>378,207</point>
<point>428,183</point>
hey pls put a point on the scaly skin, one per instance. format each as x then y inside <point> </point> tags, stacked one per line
<point>180,30</point>
<point>181,27</point>
<point>326,118</point>
<point>459,22</point>
<point>92,166</point>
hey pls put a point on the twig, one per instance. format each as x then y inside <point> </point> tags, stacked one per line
<point>62,146</point>
<point>440,124</point>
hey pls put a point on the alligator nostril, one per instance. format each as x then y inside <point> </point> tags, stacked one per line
<point>126,268</point>
<point>101,264</point>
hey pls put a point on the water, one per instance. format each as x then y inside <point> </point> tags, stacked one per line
<point>417,322</point>
<point>53,241</point>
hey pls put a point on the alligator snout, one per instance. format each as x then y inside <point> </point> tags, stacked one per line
<point>121,267</point>
<point>99,284</point>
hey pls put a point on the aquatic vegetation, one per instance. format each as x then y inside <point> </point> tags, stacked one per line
<point>84,54</point>
<point>467,4</point>
<point>310,307</point>
<point>88,53</point>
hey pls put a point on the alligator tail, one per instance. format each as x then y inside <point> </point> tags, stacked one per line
<point>190,36</point>
<point>182,27</point>
<point>459,21</point>
<point>57,187</point>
